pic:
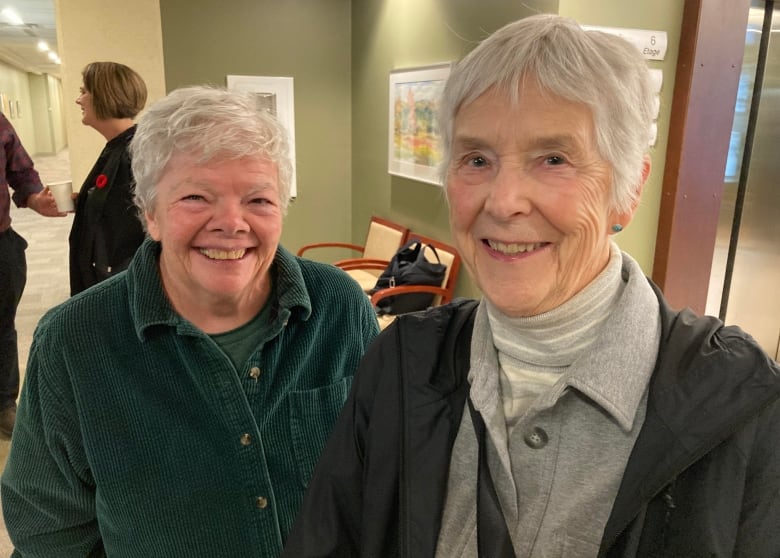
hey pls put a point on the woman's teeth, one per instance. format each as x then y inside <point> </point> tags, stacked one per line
<point>513,247</point>
<point>223,254</point>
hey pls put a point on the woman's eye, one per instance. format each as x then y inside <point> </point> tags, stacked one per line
<point>476,161</point>
<point>193,197</point>
<point>555,160</point>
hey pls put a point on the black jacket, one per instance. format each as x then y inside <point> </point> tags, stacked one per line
<point>106,229</point>
<point>702,479</point>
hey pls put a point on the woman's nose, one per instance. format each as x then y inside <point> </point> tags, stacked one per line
<point>510,193</point>
<point>229,218</point>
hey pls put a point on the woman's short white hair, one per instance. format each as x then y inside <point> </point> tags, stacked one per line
<point>603,71</point>
<point>208,123</point>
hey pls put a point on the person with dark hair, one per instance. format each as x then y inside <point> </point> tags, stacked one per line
<point>106,228</point>
<point>570,412</point>
<point>17,172</point>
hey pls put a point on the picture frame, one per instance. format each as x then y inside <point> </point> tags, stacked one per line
<point>276,95</point>
<point>413,142</point>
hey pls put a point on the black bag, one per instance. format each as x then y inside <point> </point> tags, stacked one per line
<point>409,267</point>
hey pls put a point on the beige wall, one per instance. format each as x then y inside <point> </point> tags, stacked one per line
<point>44,142</point>
<point>14,84</point>
<point>39,121</point>
<point>115,30</point>
<point>56,113</point>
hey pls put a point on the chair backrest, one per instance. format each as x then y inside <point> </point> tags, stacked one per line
<point>383,239</point>
<point>449,256</point>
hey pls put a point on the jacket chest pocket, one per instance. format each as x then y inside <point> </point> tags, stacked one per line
<point>312,416</point>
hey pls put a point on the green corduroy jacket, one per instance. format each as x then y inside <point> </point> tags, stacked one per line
<point>137,437</point>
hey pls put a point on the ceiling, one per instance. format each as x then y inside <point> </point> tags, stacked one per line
<point>19,43</point>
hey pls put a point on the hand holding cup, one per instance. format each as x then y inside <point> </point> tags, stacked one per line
<point>63,195</point>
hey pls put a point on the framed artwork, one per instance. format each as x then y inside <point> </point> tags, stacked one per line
<point>414,143</point>
<point>274,94</point>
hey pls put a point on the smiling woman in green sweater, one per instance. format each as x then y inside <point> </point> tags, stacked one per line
<point>178,408</point>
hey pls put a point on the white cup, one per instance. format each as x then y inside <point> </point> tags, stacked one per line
<point>62,195</point>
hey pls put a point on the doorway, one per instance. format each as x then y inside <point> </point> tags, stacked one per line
<point>745,282</point>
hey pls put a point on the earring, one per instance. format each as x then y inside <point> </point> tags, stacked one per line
<point>617,227</point>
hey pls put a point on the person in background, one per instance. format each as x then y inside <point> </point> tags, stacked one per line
<point>106,228</point>
<point>571,412</point>
<point>18,173</point>
<point>178,409</point>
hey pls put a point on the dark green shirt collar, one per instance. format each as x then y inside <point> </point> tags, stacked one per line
<point>150,307</point>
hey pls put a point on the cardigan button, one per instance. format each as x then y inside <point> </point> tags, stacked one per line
<point>254,372</point>
<point>261,502</point>
<point>536,438</point>
<point>246,439</point>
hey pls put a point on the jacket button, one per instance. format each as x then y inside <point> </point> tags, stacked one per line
<point>254,372</point>
<point>261,502</point>
<point>246,439</point>
<point>536,438</point>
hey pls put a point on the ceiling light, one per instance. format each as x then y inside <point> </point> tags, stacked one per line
<point>53,57</point>
<point>43,46</point>
<point>12,17</point>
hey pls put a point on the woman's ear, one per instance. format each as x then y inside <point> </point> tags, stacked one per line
<point>646,166</point>
<point>624,219</point>
<point>151,225</point>
<point>641,186</point>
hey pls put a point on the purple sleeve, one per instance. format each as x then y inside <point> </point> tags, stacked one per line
<point>20,174</point>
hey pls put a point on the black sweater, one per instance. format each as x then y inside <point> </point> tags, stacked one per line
<point>106,229</point>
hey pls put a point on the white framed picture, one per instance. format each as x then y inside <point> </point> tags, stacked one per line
<point>274,94</point>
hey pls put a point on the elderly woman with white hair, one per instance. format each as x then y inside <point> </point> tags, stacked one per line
<point>178,408</point>
<point>570,412</point>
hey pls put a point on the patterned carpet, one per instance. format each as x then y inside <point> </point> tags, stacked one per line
<point>47,274</point>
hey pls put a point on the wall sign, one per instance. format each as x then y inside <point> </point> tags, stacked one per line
<point>652,44</point>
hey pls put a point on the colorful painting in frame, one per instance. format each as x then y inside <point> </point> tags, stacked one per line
<point>414,142</point>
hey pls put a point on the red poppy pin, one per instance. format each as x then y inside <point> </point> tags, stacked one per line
<point>101,181</point>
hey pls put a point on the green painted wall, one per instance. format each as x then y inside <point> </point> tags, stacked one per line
<point>390,34</point>
<point>660,15</point>
<point>340,53</point>
<point>309,40</point>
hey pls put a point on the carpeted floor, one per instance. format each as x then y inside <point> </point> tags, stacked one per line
<point>47,275</point>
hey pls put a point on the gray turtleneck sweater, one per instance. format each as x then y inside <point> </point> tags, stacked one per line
<point>563,397</point>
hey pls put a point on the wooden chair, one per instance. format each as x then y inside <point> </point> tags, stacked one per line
<point>448,255</point>
<point>382,241</point>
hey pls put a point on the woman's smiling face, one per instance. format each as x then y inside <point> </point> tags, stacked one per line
<point>219,225</point>
<point>529,198</point>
